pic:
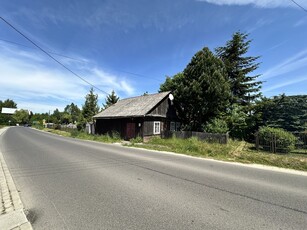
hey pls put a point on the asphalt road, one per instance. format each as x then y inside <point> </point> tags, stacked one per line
<point>71,184</point>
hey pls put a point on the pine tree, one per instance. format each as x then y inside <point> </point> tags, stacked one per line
<point>111,99</point>
<point>90,107</point>
<point>244,87</point>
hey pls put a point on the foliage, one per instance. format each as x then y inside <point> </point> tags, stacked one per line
<point>216,125</point>
<point>56,117</point>
<point>191,146</point>
<point>110,100</point>
<point>237,122</point>
<point>285,140</point>
<point>90,107</point>
<point>8,103</point>
<point>286,112</point>
<point>201,92</point>
<point>39,117</point>
<point>81,122</point>
<point>237,151</point>
<point>85,136</point>
<point>244,88</point>
<point>21,116</point>
<point>74,112</point>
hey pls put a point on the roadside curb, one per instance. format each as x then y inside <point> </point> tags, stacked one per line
<point>12,214</point>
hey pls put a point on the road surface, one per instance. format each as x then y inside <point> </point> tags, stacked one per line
<point>71,184</point>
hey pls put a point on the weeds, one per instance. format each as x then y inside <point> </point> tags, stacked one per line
<point>235,151</point>
<point>74,133</point>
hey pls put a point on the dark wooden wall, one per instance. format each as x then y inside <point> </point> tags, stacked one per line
<point>166,109</point>
<point>108,126</point>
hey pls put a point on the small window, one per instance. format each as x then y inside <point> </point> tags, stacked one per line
<point>172,126</point>
<point>156,127</point>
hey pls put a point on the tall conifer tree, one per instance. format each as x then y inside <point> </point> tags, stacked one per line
<point>90,107</point>
<point>244,87</point>
<point>111,99</point>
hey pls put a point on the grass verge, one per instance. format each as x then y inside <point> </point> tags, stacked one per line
<point>234,151</point>
<point>84,136</point>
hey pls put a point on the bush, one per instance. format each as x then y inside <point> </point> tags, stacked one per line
<point>115,135</point>
<point>216,125</point>
<point>285,141</point>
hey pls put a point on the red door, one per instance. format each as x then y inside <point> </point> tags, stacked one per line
<point>130,131</point>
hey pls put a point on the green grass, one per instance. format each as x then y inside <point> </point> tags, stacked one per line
<point>84,136</point>
<point>235,151</point>
<point>2,126</point>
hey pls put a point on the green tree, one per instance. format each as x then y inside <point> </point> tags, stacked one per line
<point>286,112</point>
<point>56,117</point>
<point>244,87</point>
<point>74,111</point>
<point>8,103</point>
<point>111,99</point>
<point>216,125</point>
<point>237,121</point>
<point>90,107</point>
<point>201,92</point>
<point>21,116</point>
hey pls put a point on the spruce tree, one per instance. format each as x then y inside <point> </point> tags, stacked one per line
<point>244,87</point>
<point>111,99</point>
<point>90,107</point>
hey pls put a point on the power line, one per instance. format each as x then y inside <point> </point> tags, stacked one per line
<point>300,6</point>
<point>53,58</point>
<point>50,52</point>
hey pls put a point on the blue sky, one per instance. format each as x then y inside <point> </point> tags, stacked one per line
<point>131,45</point>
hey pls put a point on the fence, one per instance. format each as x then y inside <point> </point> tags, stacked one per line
<point>271,144</point>
<point>208,137</point>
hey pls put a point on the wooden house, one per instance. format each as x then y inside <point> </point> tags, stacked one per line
<point>143,116</point>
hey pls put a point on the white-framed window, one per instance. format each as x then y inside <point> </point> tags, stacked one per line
<point>157,127</point>
<point>172,126</point>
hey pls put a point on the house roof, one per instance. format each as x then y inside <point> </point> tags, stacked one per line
<point>133,107</point>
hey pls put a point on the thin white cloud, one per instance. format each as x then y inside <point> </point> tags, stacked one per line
<point>301,22</point>
<point>36,82</point>
<point>297,61</point>
<point>259,24</point>
<point>286,83</point>
<point>111,82</point>
<point>257,3</point>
